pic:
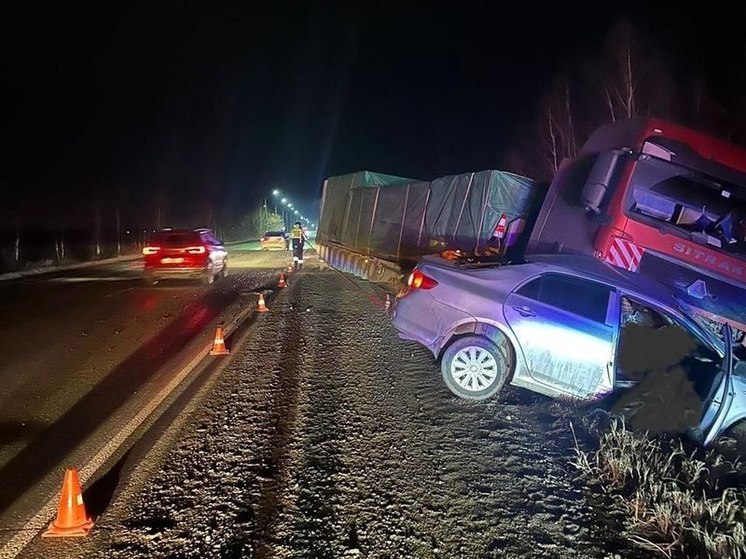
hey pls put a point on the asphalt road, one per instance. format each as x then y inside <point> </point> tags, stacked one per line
<point>81,349</point>
<point>324,436</point>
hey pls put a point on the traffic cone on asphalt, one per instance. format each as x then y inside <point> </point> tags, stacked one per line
<point>72,519</point>
<point>282,283</point>
<point>261,307</point>
<point>218,346</point>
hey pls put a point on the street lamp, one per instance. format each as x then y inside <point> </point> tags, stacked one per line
<point>275,192</point>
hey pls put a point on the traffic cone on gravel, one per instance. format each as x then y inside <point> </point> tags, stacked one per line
<point>72,519</point>
<point>218,346</point>
<point>282,283</point>
<point>261,307</point>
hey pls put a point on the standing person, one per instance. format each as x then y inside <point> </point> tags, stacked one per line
<point>298,237</point>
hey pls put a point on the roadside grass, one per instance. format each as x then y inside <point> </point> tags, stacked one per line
<point>678,501</point>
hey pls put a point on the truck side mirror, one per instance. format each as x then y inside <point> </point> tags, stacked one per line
<point>599,180</point>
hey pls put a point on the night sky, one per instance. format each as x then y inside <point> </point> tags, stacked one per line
<point>203,107</point>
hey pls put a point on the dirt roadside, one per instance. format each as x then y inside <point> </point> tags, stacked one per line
<point>328,437</point>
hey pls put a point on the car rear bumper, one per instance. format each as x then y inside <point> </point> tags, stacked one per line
<point>183,272</point>
<point>410,316</point>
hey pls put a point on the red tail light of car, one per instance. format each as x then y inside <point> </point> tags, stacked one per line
<point>418,280</point>
<point>150,250</point>
<point>196,250</point>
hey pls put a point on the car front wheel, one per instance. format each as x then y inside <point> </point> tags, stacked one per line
<point>475,368</point>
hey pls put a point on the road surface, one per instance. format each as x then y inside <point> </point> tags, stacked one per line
<point>326,436</point>
<point>83,349</point>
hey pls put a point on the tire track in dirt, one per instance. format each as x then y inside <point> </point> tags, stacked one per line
<point>305,529</point>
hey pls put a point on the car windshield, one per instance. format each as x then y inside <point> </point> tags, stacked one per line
<point>274,234</point>
<point>710,211</point>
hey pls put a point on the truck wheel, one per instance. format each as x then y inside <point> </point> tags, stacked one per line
<point>474,368</point>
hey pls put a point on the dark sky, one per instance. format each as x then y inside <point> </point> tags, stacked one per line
<point>207,106</point>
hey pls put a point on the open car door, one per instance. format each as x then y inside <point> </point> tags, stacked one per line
<point>721,396</point>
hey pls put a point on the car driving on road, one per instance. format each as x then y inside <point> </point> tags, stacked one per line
<point>185,254</point>
<point>562,325</point>
<point>275,240</point>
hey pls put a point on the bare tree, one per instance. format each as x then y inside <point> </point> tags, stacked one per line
<point>557,131</point>
<point>633,75</point>
<point>119,234</point>
<point>97,232</point>
<point>59,245</point>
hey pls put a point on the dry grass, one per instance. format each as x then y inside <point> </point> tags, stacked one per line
<point>679,503</point>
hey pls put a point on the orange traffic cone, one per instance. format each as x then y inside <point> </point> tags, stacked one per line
<point>282,283</point>
<point>218,346</point>
<point>261,307</point>
<point>72,519</point>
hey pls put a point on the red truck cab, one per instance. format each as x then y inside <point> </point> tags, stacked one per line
<point>660,199</point>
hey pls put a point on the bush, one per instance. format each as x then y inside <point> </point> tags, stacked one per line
<point>679,503</point>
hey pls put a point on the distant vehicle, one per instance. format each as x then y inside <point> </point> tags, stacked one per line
<point>275,240</point>
<point>185,254</point>
<point>556,325</point>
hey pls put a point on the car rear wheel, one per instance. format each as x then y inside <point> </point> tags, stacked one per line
<point>209,276</point>
<point>475,368</point>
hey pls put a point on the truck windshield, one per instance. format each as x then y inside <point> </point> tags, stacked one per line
<point>710,212</point>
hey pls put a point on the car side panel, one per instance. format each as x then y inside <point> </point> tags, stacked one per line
<point>564,353</point>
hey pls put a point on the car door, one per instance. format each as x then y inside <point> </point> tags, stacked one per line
<point>565,330</point>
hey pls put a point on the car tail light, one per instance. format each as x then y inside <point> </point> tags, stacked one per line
<point>196,250</point>
<point>418,280</point>
<point>150,250</point>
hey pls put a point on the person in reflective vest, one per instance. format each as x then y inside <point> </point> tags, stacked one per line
<point>298,238</point>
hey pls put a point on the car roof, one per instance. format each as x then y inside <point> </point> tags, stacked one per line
<point>184,230</point>
<point>594,269</point>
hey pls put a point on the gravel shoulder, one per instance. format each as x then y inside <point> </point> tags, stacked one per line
<point>326,436</point>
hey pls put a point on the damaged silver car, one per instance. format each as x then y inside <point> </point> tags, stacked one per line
<point>571,326</point>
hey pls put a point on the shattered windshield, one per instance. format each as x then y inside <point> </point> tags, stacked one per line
<point>710,212</point>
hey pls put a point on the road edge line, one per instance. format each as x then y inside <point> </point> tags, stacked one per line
<point>39,521</point>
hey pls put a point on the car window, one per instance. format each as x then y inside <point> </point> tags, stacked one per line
<point>175,238</point>
<point>274,234</point>
<point>576,295</point>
